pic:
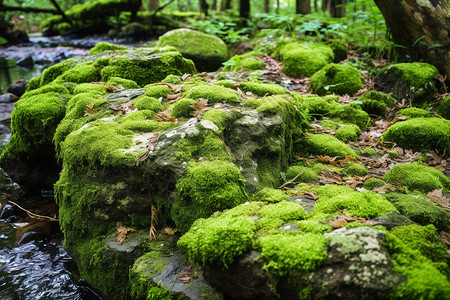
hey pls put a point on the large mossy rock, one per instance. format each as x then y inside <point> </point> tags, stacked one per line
<point>415,82</point>
<point>29,157</point>
<point>304,59</point>
<point>338,79</point>
<point>206,50</point>
<point>299,256</point>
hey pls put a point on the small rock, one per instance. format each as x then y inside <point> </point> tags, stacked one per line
<point>26,61</point>
<point>5,98</point>
<point>18,88</point>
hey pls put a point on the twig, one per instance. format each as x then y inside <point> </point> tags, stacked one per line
<point>33,215</point>
<point>292,180</point>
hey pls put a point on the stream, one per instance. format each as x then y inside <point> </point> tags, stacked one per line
<point>33,262</point>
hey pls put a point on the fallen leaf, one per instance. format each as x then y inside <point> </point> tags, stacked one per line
<point>164,117</point>
<point>309,195</point>
<point>123,108</point>
<point>445,236</point>
<point>384,189</point>
<point>200,107</point>
<point>337,223</point>
<point>168,231</point>
<point>437,197</point>
<point>122,233</point>
<point>89,110</point>
<point>185,76</point>
<point>111,89</point>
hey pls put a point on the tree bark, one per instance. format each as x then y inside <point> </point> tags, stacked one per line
<point>421,26</point>
<point>203,7</point>
<point>214,5</point>
<point>337,8</point>
<point>303,7</point>
<point>153,5</point>
<point>244,9</point>
<point>267,6</point>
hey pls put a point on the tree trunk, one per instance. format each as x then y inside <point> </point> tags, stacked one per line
<point>421,26</point>
<point>244,9</point>
<point>337,8</point>
<point>325,5</point>
<point>278,7</point>
<point>267,6</point>
<point>214,5</point>
<point>153,5</point>
<point>203,7</point>
<point>225,5</point>
<point>303,7</point>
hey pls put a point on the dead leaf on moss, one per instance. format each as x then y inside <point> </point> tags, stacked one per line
<point>308,195</point>
<point>200,108</point>
<point>112,89</point>
<point>445,237</point>
<point>122,232</point>
<point>439,198</point>
<point>89,110</point>
<point>384,189</point>
<point>168,231</point>
<point>123,108</point>
<point>164,117</point>
<point>186,274</point>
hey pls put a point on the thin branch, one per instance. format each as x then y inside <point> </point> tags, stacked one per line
<point>33,215</point>
<point>292,180</point>
<point>26,9</point>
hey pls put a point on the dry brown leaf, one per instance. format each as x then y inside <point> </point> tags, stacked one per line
<point>445,236</point>
<point>200,107</point>
<point>337,223</point>
<point>122,232</point>
<point>168,231</point>
<point>89,110</point>
<point>123,108</point>
<point>185,76</point>
<point>164,117</point>
<point>153,220</point>
<point>308,195</point>
<point>112,89</point>
<point>384,189</point>
<point>439,198</point>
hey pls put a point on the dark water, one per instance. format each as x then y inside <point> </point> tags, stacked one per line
<point>9,72</point>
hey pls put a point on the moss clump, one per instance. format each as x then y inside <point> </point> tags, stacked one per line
<point>333,200</point>
<point>89,88</point>
<point>415,81</point>
<point>262,89</point>
<point>286,253</point>
<point>329,124</point>
<point>206,50</point>
<point>51,73</point>
<point>348,133</point>
<point>173,79</point>
<point>102,46</point>
<point>252,64</point>
<point>416,176</point>
<point>145,102</point>
<point>270,195</point>
<point>334,78</point>
<point>206,188</point>
<point>145,69</point>
<point>218,239</point>
<point>246,62</point>
<point>372,183</point>
<point>304,59</point>
<point>308,175</point>
<point>414,112</point>
<point>324,144</point>
<point>121,83</point>
<point>351,113</point>
<point>423,280</point>
<point>374,102</point>
<point>214,94</point>
<point>420,210</point>
<point>443,109</point>
<point>424,239</point>
<point>183,108</point>
<point>392,154</point>
<point>324,106</point>
<point>369,151</point>
<point>33,84</point>
<point>420,134</point>
<point>275,215</point>
<point>219,117</point>
<point>84,72</point>
<point>157,91</point>
<point>354,169</point>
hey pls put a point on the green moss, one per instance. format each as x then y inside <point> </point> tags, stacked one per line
<point>392,154</point>
<point>416,176</point>
<point>270,195</point>
<point>369,151</point>
<point>275,215</point>
<point>262,89</point>
<point>84,72</point>
<point>374,102</point>
<point>423,239</point>
<point>348,133</point>
<point>252,64</point>
<point>214,94</point>
<point>246,62</point>
<point>414,112</point>
<point>206,188</point>
<point>324,144</point>
<point>147,69</point>
<point>222,118</point>
<point>157,91</point>
<point>417,74</point>
<point>319,105</point>
<point>285,253</point>
<point>145,102</point>
<point>423,280</point>
<point>51,73</point>
<point>218,239</point>
<point>420,134</point>
<point>443,109</point>
<point>89,88</point>
<point>206,50</point>
<point>225,83</point>
<point>33,84</point>
<point>329,124</point>
<point>364,204</point>
<point>334,78</point>
<point>354,169</point>
<point>308,175</point>
<point>313,226</point>
<point>172,79</point>
<point>420,210</point>
<point>121,83</point>
<point>304,59</point>
<point>207,145</point>
<point>102,46</point>
<point>372,183</point>
<point>350,113</point>
<point>183,108</point>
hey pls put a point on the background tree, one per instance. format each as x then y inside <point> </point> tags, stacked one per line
<point>267,6</point>
<point>244,9</point>
<point>423,27</point>
<point>203,7</point>
<point>153,5</point>
<point>303,7</point>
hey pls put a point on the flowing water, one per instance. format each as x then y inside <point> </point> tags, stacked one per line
<point>33,262</point>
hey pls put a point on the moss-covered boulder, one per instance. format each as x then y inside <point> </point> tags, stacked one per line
<point>420,134</point>
<point>444,107</point>
<point>414,112</point>
<point>348,133</point>
<point>324,144</point>
<point>374,102</point>
<point>416,176</point>
<point>413,81</point>
<point>335,78</point>
<point>206,50</point>
<point>246,62</point>
<point>304,59</point>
